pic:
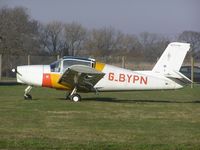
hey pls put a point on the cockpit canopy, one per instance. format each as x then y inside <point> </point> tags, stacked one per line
<point>62,64</point>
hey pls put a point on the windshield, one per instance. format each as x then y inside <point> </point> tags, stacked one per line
<point>68,63</point>
<point>55,66</point>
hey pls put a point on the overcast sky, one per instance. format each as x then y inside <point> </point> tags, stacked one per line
<point>168,17</point>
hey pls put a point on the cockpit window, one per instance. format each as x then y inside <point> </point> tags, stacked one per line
<point>55,66</point>
<point>68,63</point>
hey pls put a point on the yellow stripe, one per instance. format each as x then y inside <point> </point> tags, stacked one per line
<point>99,66</point>
<point>55,84</point>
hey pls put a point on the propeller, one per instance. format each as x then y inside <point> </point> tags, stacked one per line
<point>15,71</point>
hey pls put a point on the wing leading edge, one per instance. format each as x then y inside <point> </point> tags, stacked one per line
<point>82,77</point>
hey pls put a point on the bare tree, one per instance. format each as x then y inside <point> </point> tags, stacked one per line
<point>147,39</point>
<point>19,35</point>
<point>74,36</point>
<point>18,31</point>
<point>127,44</point>
<point>102,41</point>
<point>51,37</point>
<point>152,45</point>
<point>193,38</point>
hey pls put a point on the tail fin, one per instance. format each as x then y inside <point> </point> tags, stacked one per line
<point>172,58</point>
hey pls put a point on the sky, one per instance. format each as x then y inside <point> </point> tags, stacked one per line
<point>166,17</point>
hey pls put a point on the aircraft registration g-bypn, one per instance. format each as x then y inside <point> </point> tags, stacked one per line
<point>75,74</point>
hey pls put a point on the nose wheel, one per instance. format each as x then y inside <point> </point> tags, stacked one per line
<point>27,95</point>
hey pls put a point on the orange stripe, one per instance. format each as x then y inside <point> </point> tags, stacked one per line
<point>46,81</point>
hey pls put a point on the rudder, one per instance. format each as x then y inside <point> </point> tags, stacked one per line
<point>172,58</point>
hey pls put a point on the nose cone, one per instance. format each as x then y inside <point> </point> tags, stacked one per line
<point>31,75</point>
<point>13,70</point>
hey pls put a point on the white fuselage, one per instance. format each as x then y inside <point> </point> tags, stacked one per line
<point>115,79</point>
<point>118,79</point>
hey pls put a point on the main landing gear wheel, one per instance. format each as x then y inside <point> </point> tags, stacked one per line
<point>75,97</point>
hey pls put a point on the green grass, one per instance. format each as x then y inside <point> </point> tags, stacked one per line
<point>130,120</point>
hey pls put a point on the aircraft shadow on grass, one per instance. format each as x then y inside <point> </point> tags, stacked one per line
<point>114,100</point>
<point>11,83</point>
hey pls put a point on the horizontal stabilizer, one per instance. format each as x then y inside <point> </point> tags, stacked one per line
<point>177,75</point>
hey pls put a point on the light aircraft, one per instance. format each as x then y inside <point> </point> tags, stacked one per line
<point>75,74</point>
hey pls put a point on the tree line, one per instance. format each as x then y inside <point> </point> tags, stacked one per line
<point>22,35</point>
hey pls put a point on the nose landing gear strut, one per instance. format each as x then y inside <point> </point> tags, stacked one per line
<point>27,96</point>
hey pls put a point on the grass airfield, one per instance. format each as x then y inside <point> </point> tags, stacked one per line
<point>139,120</point>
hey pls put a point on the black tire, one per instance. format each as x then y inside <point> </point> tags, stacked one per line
<point>27,97</point>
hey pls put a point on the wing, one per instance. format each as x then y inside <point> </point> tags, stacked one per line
<point>83,77</point>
